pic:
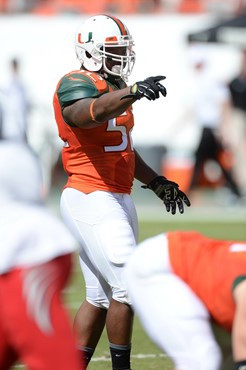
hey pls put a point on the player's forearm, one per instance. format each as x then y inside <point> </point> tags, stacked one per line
<point>143,172</point>
<point>110,105</point>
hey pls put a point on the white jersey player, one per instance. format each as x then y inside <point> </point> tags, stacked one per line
<point>35,262</point>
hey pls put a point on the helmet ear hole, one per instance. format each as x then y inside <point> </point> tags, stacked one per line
<point>88,55</point>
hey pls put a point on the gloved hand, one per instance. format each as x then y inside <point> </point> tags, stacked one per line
<point>150,88</point>
<point>169,193</point>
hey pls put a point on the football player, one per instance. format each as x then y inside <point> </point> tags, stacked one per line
<point>182,282</point>
<point>35,263</point>
<point>93,110</point>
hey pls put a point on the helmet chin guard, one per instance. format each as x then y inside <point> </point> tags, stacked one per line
<point>103,43</point>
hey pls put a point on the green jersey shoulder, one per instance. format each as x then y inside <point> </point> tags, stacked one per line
<point>78,85</point>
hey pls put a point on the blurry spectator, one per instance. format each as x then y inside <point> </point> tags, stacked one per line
<point>14,6</point>
<point>15,106</point>
<point>49,7</point>
<point>211,109</point>
<point>221,7</point>
<point>133,6</point>
<point>97,6</point>
<point>240,7</point>
<point>3,6</point>
<point>35,263</point>
<point>190,6</point>
<point>237,88</point>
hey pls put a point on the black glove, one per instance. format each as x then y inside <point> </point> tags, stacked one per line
<point>150,88</point>
<point>169,192</point>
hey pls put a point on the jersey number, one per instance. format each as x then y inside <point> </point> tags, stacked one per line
<point>124,137</point>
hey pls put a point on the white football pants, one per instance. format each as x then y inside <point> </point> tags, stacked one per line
<point>173,316</point>
<point>106,227</point>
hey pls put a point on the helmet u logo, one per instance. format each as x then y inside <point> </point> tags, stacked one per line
<point>79,39</point>
<point>89,38</point>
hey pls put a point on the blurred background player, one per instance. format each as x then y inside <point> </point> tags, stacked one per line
<point>93,109</point>
<point>15,105</point>
<point>35,263</point>
<point>179,283</point>
<point>237,87</point>
<point>211,110</point>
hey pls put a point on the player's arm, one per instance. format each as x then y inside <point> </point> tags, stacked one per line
<point>168,191</point>
<point>91,112</point>
<point>239,325</point>
<point>86,101</point>
<point>143,172</point>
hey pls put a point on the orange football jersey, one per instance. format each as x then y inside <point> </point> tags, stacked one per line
<point>100,158</point>
<point>210,267</point>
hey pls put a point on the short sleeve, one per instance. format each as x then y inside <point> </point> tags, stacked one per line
<point>77,85</point>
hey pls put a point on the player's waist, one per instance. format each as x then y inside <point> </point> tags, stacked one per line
<point>88,185</point>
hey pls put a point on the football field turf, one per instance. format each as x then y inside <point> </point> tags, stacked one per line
<point>145,355</point>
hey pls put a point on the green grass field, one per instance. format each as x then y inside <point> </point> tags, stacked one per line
<point>145,355</point>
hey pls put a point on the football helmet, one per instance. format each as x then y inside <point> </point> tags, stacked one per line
<point>103,43</point>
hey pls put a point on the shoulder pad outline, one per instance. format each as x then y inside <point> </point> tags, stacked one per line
<point>78,85</point>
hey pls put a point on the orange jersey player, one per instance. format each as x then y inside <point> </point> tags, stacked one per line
<point>93,110</point>
<point>189,255</point>
<point>181,282</point>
